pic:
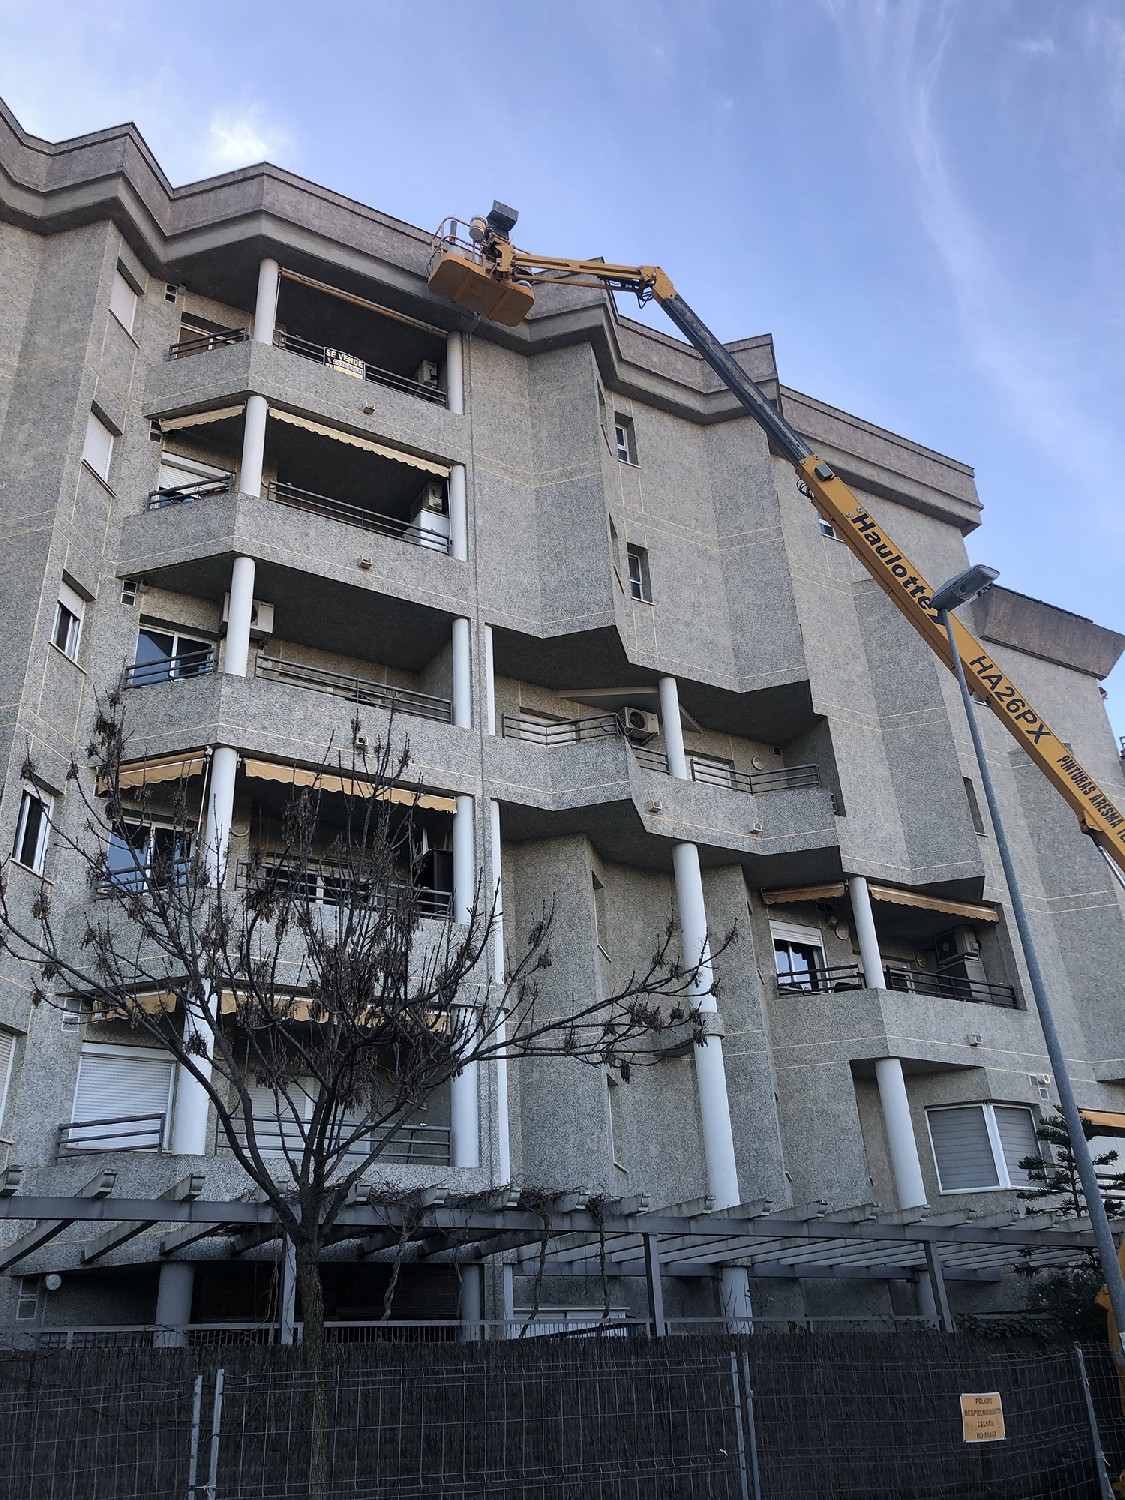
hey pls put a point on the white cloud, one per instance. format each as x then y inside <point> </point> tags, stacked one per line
<point>1037,46</point>
<point>241,138</point>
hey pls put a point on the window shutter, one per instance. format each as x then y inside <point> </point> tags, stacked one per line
<point>276,1127</point>
<point>7,1048</point>
<point>111,1085</point>
<point>1016,1128</point>
<point>962,1150</point>
<point>97,450</point>
<point>123,301</point>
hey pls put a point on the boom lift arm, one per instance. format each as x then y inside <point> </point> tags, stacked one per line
<point>488,275</point>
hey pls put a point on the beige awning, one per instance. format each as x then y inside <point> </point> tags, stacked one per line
<point>331,781</point>
<point>198,418</point>
<point>399,455</point>
<point>893,895</point>
<point>159,768</point>
<point>1105,1119</point>
<point>289,1008</point>
<point>357,301</point>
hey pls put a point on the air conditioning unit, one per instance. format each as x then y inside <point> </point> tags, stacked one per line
<point>961,942</point>
<point>638,724</point>
<point>431,498</point>
<point>430,514</point>
<point>261,617</point>
<point>427,374</point>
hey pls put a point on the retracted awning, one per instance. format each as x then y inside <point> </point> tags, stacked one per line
<point>160,768</point>
<point>892,895</point>
<point>1104,1119</point>
<point>357,301</point>
<point>198,418</point>
<point>399,455</point>
<point>331,781</point>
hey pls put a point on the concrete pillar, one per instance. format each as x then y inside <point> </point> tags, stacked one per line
<point>489,683</point>
<point>253,445</point>
<point>508,1298</point>
<point>464,859</point>
<point>462,674</point>
<point>714,1105</point>
<point>236,656</point>
<point>455,372</point>
<point>503,1132</point>
<point>458,514</point>
<point>464,1095</point>
<point>173,1304</point>
<point>464,1117</point>
<point>287,1294</point>
<point>472,1298</point>
<point>865,931</point>
<point>900,1133</point>
<point>673,729</point>
<point>220,811</point>
<point>265,308</point>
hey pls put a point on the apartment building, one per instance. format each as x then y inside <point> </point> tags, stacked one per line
<point>256,473</point>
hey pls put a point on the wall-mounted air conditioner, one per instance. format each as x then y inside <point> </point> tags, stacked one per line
<point>261,617</point>
<point>638,724</point>
<point>960,942</point>
<point>427,374</point>
<point>430,512</point>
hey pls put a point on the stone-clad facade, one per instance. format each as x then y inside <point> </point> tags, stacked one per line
<point>508,532</point>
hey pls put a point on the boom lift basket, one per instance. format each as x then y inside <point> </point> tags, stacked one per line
<point>471,285</point>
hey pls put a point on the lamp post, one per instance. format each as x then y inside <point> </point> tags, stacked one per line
<point>963,589</point>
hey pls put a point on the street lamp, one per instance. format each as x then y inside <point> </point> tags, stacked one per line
<point>963,589</point>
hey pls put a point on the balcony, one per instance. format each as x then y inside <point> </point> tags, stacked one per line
<point>219,339</point>
<point>832,980</point>
<point>408,1145</point>
<point>115,1133</point>
<point>354,689</point>
<point>358,368</point>
<point>706,772</point>
<point>819,980</point>
<point>324,885</point>
<point>197,663</point>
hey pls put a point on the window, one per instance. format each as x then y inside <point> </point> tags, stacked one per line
<point>7,1053</point>
<point>145,854</point>
<point>122,1100</point>
<point>182,476</point>
<point>168,656</point>
<point>27,1299</point>
<point>123,302</point>
<point>32,828</point>
<point>974,805</point>
<point>97,450</point>
<point>978,1147</point>
<point>639,585</point>
<point>798,955</point>
<point>624,438</point>
<point>66,632</point>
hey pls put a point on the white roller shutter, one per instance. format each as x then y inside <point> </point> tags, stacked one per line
<point>7,1052</point>
<point>1016,1127</point>
<point>962,1148</point>
<point>123,302</point>
<point>115,1082</point>
<point>97,450</point>
<point>276,1122</point>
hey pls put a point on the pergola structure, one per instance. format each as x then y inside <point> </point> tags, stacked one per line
<point>576,1235</point>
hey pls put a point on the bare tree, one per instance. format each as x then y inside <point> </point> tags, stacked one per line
<point>312,1000</point>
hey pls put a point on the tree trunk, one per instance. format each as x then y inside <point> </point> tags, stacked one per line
<point>313,1350</point>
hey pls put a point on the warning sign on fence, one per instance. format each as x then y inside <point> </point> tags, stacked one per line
<point>982,1417</point>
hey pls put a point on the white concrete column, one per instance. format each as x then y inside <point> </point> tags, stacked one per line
<point>464,1117</point>
<point>236,655</point>
<point>673,729</point>
<point>464,1089</point>
<point>865,931</point>
<point>253,445</point>
<point>489,683</point>
<point>265,308</point>
<point>462,674</point>
<point>458,514</point>
<point>220,811</point>
<point>464,859</point>
<point>472,1289</point>
<point>714,1104</point>
<point>901,1142</point>
<point>455,372</point>
<point>173,1304</point>
<point>503,1131</point>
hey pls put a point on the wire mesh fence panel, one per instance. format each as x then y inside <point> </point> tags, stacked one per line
<point>542,1423</point>
<point>881,1416</point>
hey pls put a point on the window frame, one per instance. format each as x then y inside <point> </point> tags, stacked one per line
<point>39,854</point>
<point>625,439</point>
<point>115,1050</point>
<point>640,579</point>
<point>138,877</point>
<point>1004,1183</point>
<point>70,603</point>
<point>802,937</point>
<point>149,674</point>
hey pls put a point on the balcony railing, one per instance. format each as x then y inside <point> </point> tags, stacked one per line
<point>407,1145</point>
<point>822,980</point>
<point>356,515</point>
<point>354,689</point>
<point>327,885</point>
<point>950,987</point>
<point>560,731</point>
<point>359,369</point>
<point>115,1133</point>
<point>205,341</point>
<point>172,668</point>
<point>183,494</point>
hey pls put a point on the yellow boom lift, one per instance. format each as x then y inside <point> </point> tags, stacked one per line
<point>481,270</point>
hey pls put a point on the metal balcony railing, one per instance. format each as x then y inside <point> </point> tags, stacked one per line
<point>115,1133</point>
<point>950,987</point>
<point>711,773</point>
<point>560,731</point>
<point>355,515</point>
<point>359,369</point>
<point>354,689</point>
<point>821,980</point>
<point>183,494</point>
<point>327,885</point>
<point>407,1145</point>
<point>205,341</point>
<point>172,668</point>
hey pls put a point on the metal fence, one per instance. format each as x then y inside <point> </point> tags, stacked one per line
<point>762,1418</point>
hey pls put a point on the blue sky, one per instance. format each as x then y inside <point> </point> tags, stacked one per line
<point>921,199</point>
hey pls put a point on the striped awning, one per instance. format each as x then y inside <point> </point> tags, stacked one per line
<point>341,435</point>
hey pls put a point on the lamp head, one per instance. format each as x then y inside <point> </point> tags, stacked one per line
<point>964,587</point>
